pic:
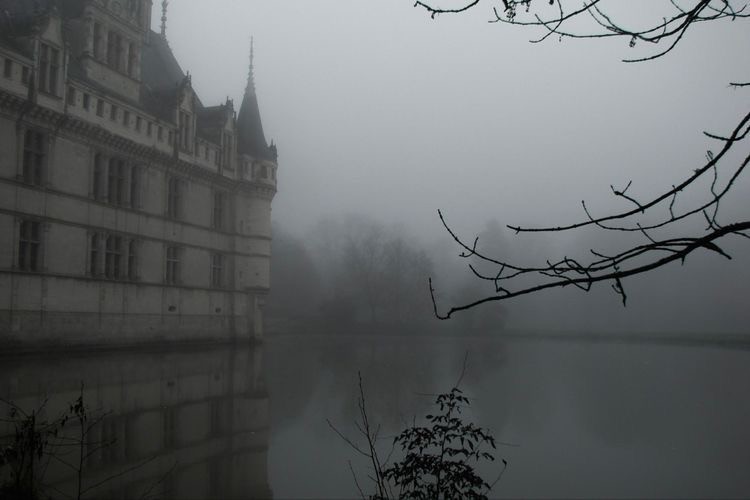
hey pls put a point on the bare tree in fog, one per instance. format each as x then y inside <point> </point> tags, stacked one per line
<point>662,230</point>
<point>375,271</point>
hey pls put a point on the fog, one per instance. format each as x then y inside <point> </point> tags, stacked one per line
<point>384,118</point>
<point>381,111</point>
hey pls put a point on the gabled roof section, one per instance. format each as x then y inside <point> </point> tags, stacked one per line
<point>161,76</point>
<point>251,140</point>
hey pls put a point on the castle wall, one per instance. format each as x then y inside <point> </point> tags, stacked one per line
<point>73,294</point>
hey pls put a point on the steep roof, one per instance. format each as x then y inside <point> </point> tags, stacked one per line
<point>17,21</point>
<point>160,69</point>
<point>250,137</point>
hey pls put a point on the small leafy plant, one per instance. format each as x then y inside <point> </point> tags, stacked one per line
<point>439,459</point>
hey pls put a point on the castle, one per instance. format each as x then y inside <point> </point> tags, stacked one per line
<point>129,211</point>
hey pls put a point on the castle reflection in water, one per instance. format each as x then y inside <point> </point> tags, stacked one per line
<point>188,424</point>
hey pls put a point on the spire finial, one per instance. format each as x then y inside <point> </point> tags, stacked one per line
<point>251,74</point>
<point>164,6</point>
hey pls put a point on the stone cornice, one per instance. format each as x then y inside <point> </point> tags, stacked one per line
<point>89,132</point>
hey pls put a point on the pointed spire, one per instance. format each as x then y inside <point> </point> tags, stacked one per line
<point>164,6</point>
<point>251,74</point>
<point>251,139</point>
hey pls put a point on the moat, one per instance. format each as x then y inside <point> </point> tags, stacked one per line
<point>579,418</point>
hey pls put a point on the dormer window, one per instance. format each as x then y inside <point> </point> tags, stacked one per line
<point>132,59</point>
<point>111,49</point>
<point>49,67</point>
<point>115,51</point>
<point>98,42</point>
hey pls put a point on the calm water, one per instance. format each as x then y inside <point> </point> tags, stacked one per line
<point>584,419</point>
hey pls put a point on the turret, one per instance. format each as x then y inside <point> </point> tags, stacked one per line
<point>250,138</point>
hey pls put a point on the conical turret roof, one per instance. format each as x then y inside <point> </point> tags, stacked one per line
<point>251,139</point>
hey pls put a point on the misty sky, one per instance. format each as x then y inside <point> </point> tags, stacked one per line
<point>378,109</point>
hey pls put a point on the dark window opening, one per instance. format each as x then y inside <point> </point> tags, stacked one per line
<point>217,270</point>
<point>94,266</point>
<point>174,197</point>
<point>113,257</point>
<point>29,245</point>
<point>49,67</point>
<point>132,260</point>
<point>98,182</point>
<point>173,265</point>
<point>135,186</point>
<point>34,156</point>
<point>219,210</point>
<point>116,181</point>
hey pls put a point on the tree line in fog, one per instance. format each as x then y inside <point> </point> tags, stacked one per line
<point>355,271</point>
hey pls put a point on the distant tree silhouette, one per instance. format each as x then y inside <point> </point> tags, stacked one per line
<point>374,272</point>
<point>657,244</point>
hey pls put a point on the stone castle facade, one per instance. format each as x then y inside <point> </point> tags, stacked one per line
<point>129,211</point>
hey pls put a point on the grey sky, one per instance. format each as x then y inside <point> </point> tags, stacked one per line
<point>378,109</point>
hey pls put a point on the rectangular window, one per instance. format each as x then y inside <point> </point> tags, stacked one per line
<point>219,212</point>
<point>111,49</point>
<point>113,257</point>
<point>149,128</point>
<point>133,260</point>
<point>126,118</point>
<point>49,67</point>
<point>138,123</point>
<point>25,75</point>
<point>98,52</point>
<point>100,107</point>
<point>116,181</point>
<point>206,151</point>
<point>135,186</point>
<point>34,156</point>
<point>97,188</point>
<point>29,246</point>
<point>217,270</point>
<point>132,59</point>
<point>113,112</point>
<point>160,134</point>
<point>174,197</point>
<point>119,54</point>
<point>86,102</point>
<point>173,265</point>
<point>8,68</point>
<point>94,265</point>
<point>71,96</point>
